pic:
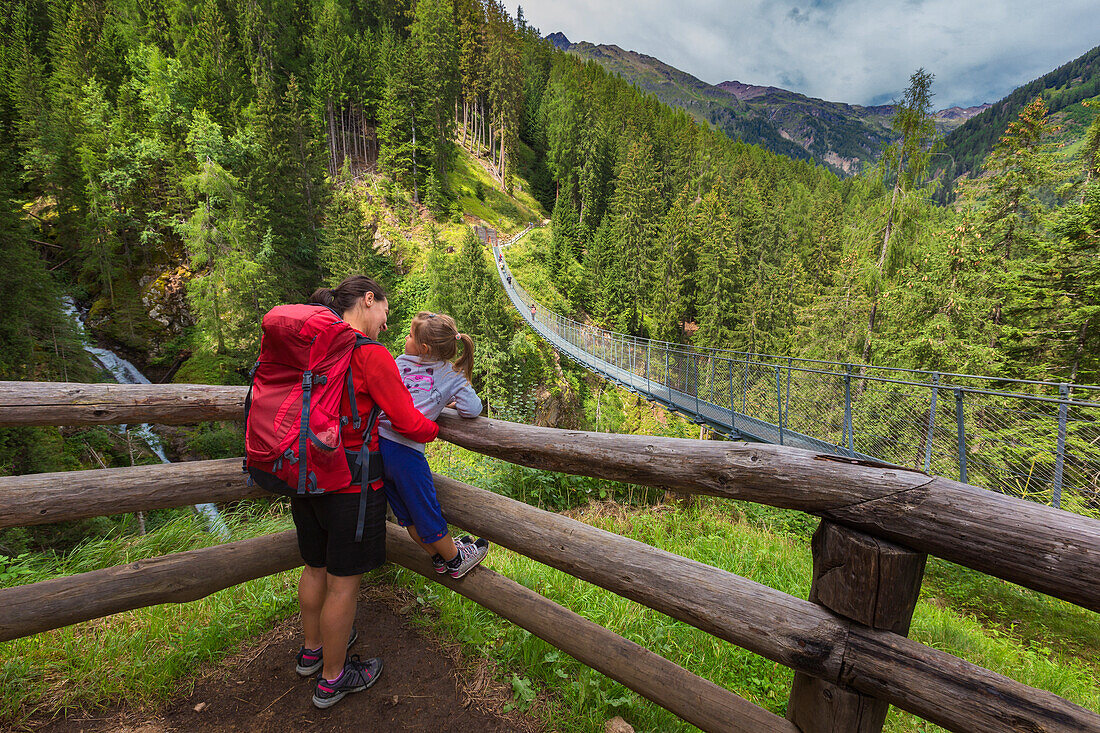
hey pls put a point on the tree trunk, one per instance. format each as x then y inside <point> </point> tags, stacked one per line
<point>331,125</point>
<point>355,153</point>
<point>870,332</point>
<point>416,193</point>
<point>1080,349</point>
<point>889,223</point>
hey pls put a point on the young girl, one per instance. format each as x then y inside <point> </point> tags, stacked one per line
<point>433,382</point>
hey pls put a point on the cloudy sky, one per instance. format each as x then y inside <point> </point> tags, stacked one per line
<point>857,51</point>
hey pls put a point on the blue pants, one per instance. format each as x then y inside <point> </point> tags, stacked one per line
<point>410,491</point>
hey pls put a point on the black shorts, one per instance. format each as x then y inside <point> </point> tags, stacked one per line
<point>326,532</point>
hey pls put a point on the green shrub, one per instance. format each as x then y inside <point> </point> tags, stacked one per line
<point>216,440</point>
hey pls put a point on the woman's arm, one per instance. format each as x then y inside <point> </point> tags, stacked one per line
<point>383,384</point>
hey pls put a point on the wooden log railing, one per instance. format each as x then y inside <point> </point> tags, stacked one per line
<point>1024,542</point>
<point>847,643</point>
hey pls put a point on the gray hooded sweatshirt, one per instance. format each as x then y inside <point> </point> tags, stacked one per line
<point>433,385</point>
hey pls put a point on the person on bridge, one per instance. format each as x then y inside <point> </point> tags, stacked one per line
<point>433,381</point>
<point>326,524</point>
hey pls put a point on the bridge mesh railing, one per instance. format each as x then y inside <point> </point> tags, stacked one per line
<point>1037,440</point>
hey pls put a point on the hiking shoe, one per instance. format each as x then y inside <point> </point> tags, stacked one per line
<point>469,557</point>
<point>440,564</point>
<point>310,661</point>
<point>357,675</point>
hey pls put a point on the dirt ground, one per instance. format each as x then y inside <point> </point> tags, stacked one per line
<point>425,687</point>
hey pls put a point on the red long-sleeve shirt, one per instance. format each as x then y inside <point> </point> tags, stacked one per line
<point>377,382</point>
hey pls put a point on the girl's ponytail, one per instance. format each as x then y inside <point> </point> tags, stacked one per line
<point>465,363</point>
<point>439,333</point>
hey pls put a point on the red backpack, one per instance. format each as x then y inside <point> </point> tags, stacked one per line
<point>292,413</point>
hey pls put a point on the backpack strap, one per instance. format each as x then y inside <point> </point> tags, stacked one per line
<point>370,464</point>
<point>349,386</point>
<point>370,467</point>
<point>307,482</point>
<point>251,384</point>
<point>247,408</point>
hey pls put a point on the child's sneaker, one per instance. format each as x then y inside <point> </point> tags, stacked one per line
<point>357,675</point>
<point>440,564</point>
<point>310,661</point>
<point>469,557</point>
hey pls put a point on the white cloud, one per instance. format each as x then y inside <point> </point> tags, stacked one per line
<point>858,51</point>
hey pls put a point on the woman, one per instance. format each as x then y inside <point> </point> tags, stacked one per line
<point>326,524</point>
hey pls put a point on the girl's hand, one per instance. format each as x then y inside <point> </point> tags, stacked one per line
<point>452,404</point>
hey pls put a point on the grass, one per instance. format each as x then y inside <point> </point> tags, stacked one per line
<point>718,534</point>
<point>142,656</point>
<point>581,699</point>
<point>1040,641</point>
<point>506,213</point>
<point>1062,632</point>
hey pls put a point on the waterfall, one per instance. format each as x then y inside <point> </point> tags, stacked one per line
<point>125,372</point>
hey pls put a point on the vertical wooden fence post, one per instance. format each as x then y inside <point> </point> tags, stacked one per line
<point>872,582</point>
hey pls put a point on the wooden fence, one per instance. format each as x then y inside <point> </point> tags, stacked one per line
<point>847,643</point>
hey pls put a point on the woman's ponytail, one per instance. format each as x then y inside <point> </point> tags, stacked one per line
<point>322,296</point>
<point>344,295</point>
<point>465,363</point>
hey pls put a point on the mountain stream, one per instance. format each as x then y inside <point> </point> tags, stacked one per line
<point>125,372</point>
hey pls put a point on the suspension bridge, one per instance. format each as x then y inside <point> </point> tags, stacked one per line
<point>1031,439</point>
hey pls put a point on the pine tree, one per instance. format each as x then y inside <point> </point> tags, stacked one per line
<point>1074,263</point>
<point>907,160</point>
<point>227,291</point>
<point>1011,218</point>
<point>332,46</point>
<point>1091,150</point>
<point>101,245</point>
<point>720,288</point>
<point>434,36</point>
<point>1020,164</point>
<point>470,17</point>
<point>505,88</point>
<point>210,58</point>
<point>347,241</point>
<point>277,185</point>
<point>670,273</point>
<point>406,133</point>
<point>636,220</point>
<point>598,266</point>
<point>564,236</point>
<point>37,342</point>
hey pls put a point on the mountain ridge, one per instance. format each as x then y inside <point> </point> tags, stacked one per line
<point>844,137</point>
<point>1063,90</point>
